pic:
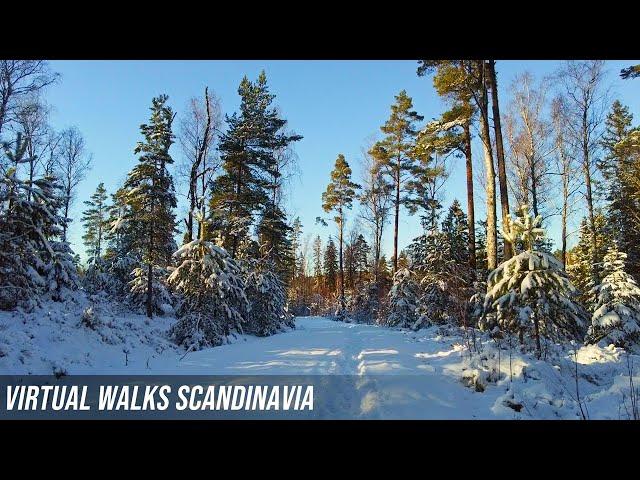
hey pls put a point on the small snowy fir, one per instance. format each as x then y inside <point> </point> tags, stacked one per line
<point>267,300</point>
<point>616,319</point>
<point>212,286</point>
<point>530,294</point>
<point>403,300</point>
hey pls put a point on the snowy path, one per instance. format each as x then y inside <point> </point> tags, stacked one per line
<point>404,374</point>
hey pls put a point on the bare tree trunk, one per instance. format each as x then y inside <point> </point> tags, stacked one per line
<point>502,172</point>
<point>470,203</point>
<point>396,221</point>
<point>492,237</point>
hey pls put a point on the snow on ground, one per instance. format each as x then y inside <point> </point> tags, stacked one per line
<point>425,374</point>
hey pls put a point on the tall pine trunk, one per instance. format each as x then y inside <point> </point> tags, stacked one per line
<point>492,237</point>
<point>396,220</point>
<point>502,171</point>
<point>342,305</point>
<point>470,202</point>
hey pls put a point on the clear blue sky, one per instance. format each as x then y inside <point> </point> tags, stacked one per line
<point>335,105</point>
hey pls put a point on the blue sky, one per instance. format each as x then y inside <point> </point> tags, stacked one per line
<point>335,105</point>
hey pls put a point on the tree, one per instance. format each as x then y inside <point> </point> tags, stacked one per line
<point>586,102</point>
<point>199,130</point>
<point>630,72</point>
<point>95,220</point>
<point>375,202</point>
<point>72,164</point>
<point>622,204</point>
<point>267,299</point>
<point>19,79</point>
<point>330,266</point>
<point>403,300</point>
<point>395,154</point>
<point>452,82</point>
<point>151,199</point>
<point>581,268</point>
<point>317,264</point>
<point>249,150</point>
<point>213,288</point>
<point>502,173</point>
<point>565,168</point>
<point>530,293</point>
<point>34,260</point>
<point>529,135</point>
<point>337,198</point>
<point>616,318</point>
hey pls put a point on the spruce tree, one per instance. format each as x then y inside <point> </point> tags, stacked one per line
<point>616,318</point>
<point>330,267</point>
<point>622,205</point>
<point>338,197</point>
<point>150,196</point>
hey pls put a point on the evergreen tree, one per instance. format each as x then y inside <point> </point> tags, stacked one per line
<point>151,199</point>
<point>530,294</point>
<point>616,318</point>
<point>338,197</point>
<point>95,220</point>
<point>248,152</point>
<point>274,238</point>
<point>34,260</point>
<point>213,290</point>
<point>581,268</point>
<point>403,300</point>
<point>120,257</point>
<point>396,154</point>
<point>317,264</point>
<point>622,205</point>
<point>330,266</point>
<point>267,300</point>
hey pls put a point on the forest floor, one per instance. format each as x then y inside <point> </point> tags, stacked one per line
<point>426,374</point>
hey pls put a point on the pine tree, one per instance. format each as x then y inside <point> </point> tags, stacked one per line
<point>213,290</point>
<point>34,260</point>
<point>150,196</point>
<point>248,152</point>
<point>530,294</point>
<point>616,318</point>
<point>403,300</point>
<point>396,154</point>
<point>274,239</point>
<point>337,198</point>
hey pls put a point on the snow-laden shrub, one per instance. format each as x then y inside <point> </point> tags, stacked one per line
<point>89,318</point>
<point>162,299</point>
<point>403,300</point>
<point>364,305</point>
<point>530,293</point>
<point>267,298</point>
<point>213,299</point>
<point>616,319</point>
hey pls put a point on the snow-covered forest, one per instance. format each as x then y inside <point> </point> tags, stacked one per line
<point>494,289</point>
